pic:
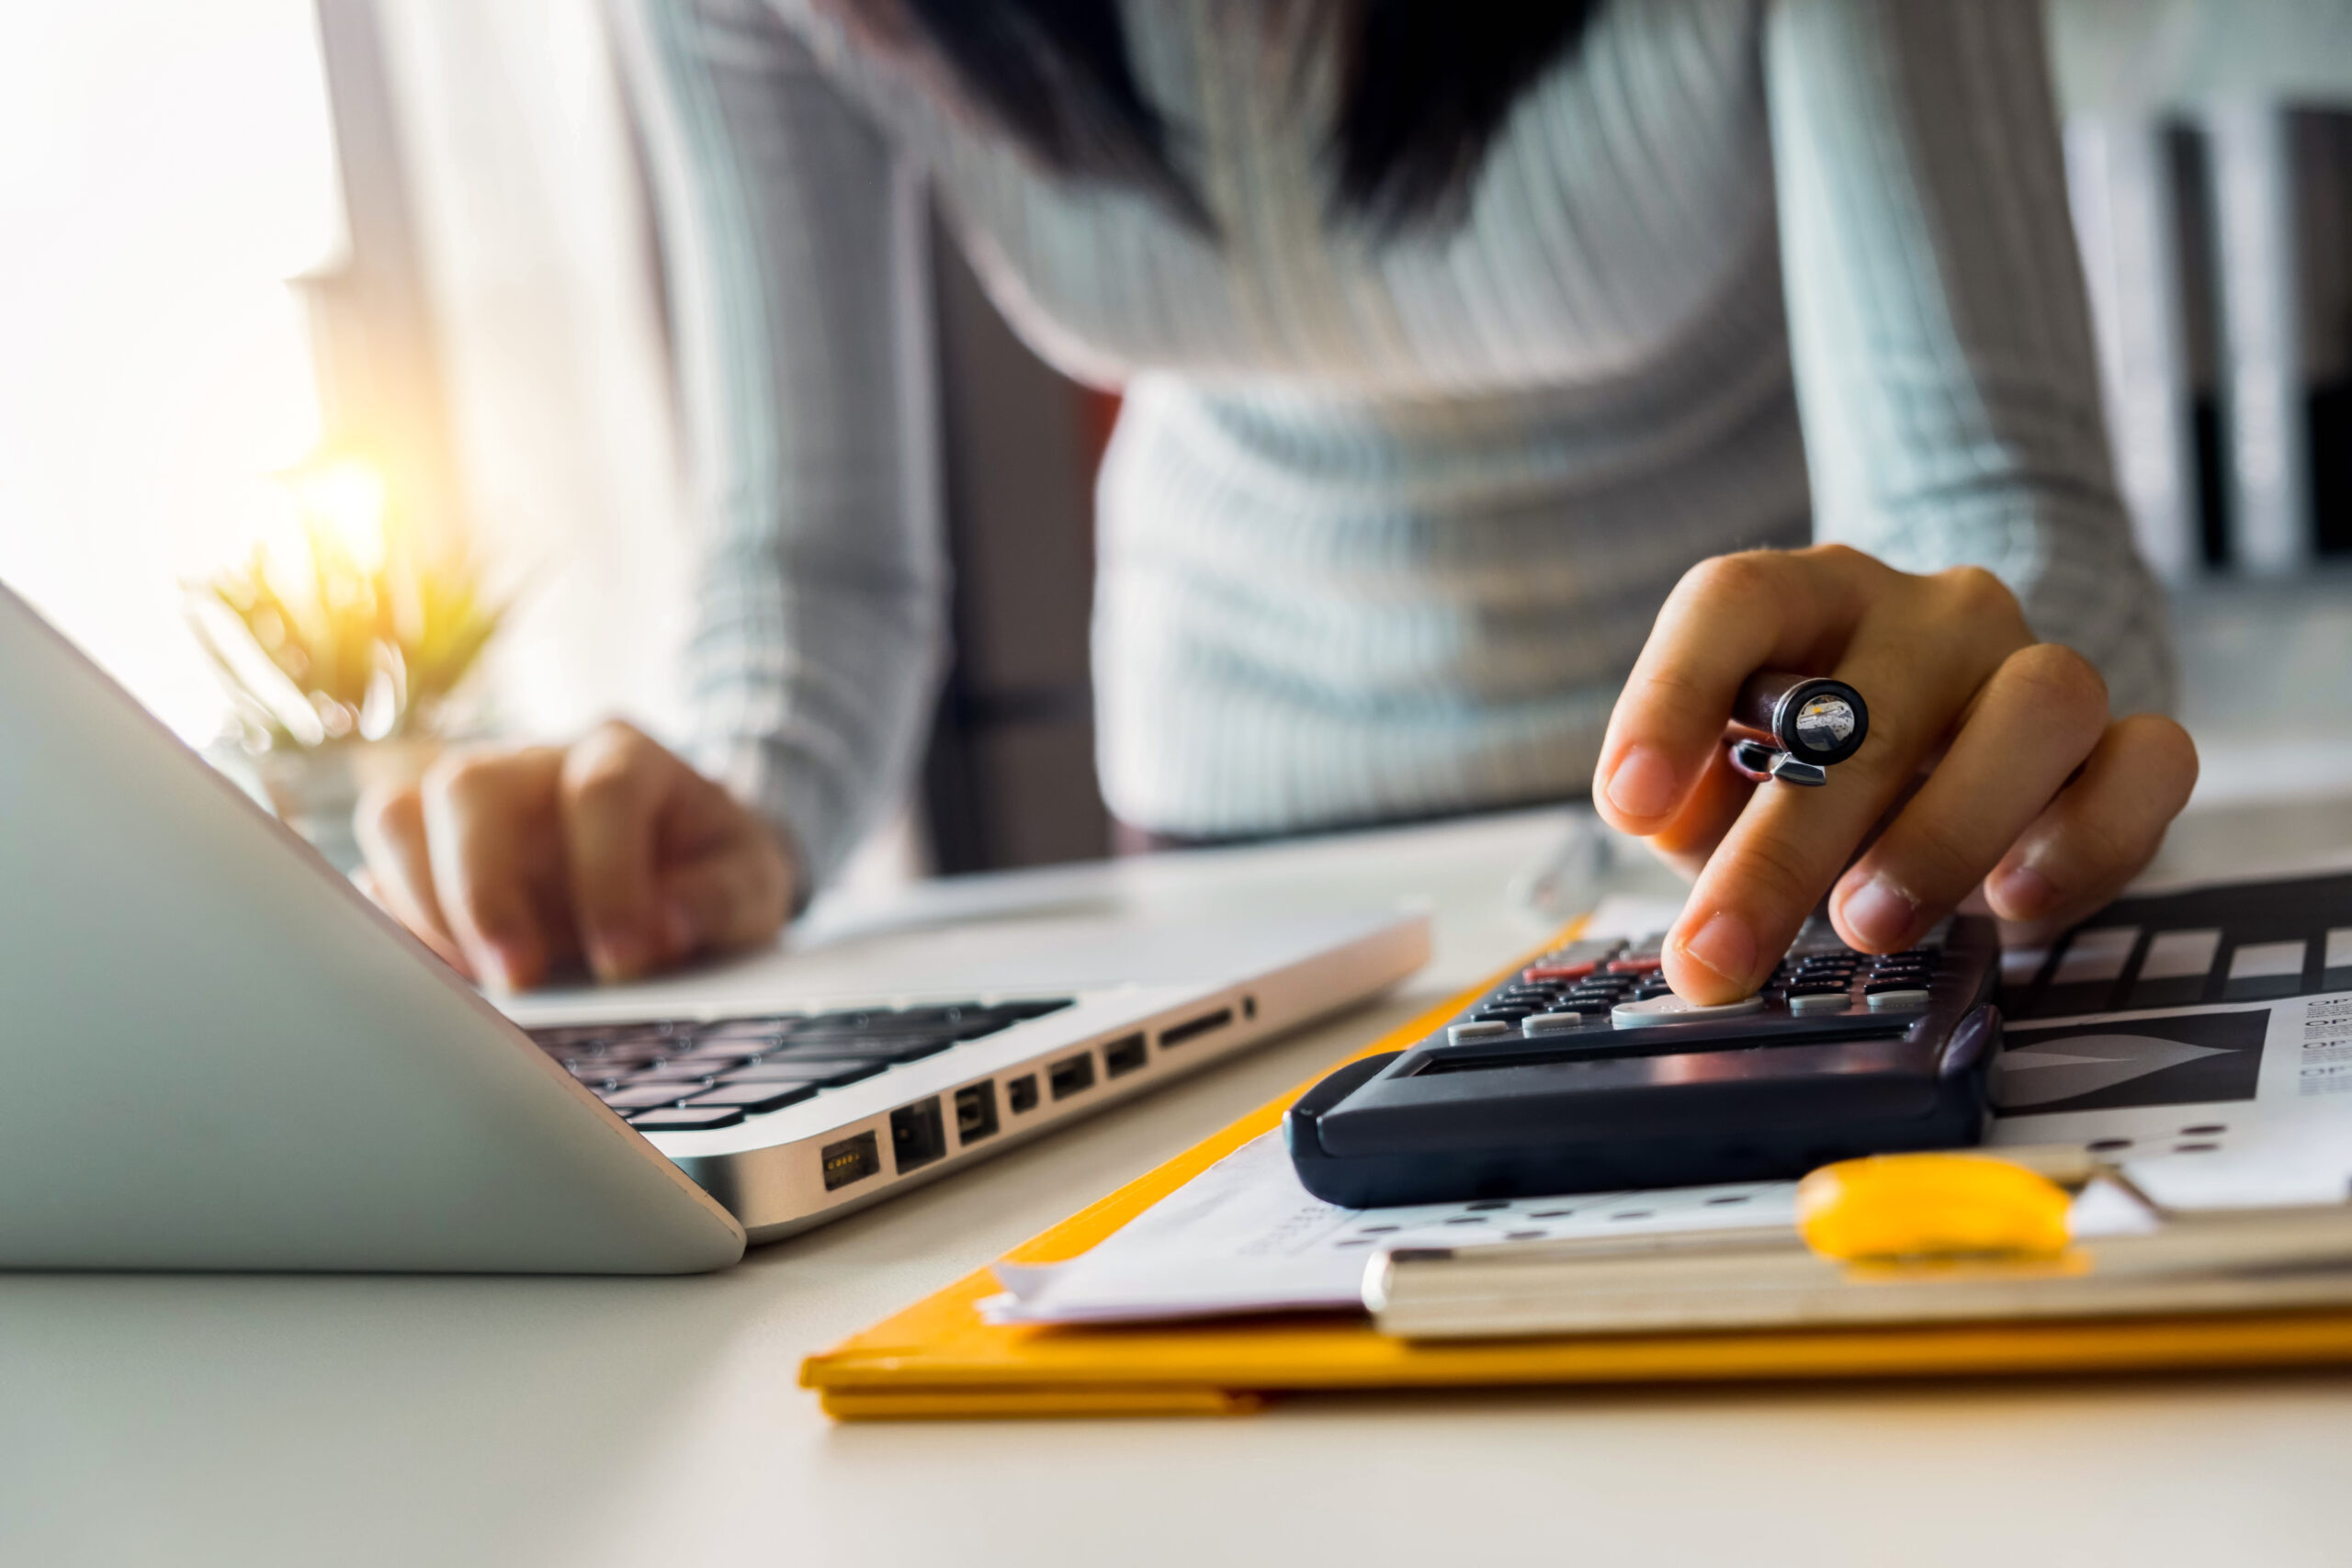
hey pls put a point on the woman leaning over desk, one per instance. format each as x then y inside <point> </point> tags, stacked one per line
<point>1456,340</point>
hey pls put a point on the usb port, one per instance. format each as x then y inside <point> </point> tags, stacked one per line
<point>917,1134</point>
<point>1124,1055</point>
<point>1020,1093</point>
<point>1193,1028</point>
<point>974,1113</point>
<point>1071,1075</point>
<point>852,1159</point>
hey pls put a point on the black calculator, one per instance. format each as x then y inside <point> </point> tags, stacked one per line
<point>1584,1073</point>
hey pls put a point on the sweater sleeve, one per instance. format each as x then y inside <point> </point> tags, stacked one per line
<point>792,241</point>
<point>1941,336</point>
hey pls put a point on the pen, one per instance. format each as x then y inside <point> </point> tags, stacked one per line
<point>1794,727</point>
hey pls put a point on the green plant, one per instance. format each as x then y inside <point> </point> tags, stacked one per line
<point>348,630</point>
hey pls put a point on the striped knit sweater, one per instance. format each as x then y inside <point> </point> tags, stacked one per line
<point>1382,526</point>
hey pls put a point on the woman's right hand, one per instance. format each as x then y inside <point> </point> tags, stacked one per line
<point>1994,770</point>
<point>513,863</point>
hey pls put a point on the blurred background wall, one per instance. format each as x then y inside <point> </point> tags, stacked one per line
<point>454,188</point>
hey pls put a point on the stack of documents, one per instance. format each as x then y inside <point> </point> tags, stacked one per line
<point>2195,1050</point>
<point>2127,1261</point>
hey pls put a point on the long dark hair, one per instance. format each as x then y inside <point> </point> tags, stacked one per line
<point>1428,84</point>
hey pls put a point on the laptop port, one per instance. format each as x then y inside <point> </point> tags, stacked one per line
<point>1071,1075</point>
<point>852,1159</point>
<point>1020,1093</point>
<point>917,1134</point>
<point>1124,1056</point>
<point>974,1113</point>
<point>1193,1028</point>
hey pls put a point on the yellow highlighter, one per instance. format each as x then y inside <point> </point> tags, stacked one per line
<point>1887,1207</point>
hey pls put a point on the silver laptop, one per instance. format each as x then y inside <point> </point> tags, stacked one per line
<point>220,1055</point>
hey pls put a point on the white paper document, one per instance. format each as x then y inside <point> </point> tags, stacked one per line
<point>1245,1236</point>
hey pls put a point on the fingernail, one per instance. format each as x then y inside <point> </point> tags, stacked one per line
<point>1880,913</point>
<point>1725,945</point>
<point>1644,783</point>
<point>2024,893</point>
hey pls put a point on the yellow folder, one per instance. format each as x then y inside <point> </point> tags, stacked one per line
<point>938,1359</point>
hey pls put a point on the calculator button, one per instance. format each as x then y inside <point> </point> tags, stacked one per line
<point>1820,1001</point>
<point>1558,1022</point>
<point>1462,1032</point>
<point>1897,1002</point>
<point>1671,1009</point>
<point>1572,962</point>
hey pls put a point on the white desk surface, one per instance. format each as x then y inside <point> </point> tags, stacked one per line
<point>184,1420</point>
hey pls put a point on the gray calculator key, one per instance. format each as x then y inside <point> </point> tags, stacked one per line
<point>1558,1022</point>
<point>1897,1002</point>
<point>1671,1009</point>
<point>1821,1002</point>
<point>1463,1033</point>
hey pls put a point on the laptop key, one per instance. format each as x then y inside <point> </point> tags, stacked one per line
<point>935,1014</point>
<point>753,1097</point>
<point>618,1057</point>
<point>823,1074</point>
<point>885,1047</point>
<point>644,1097</point>
<point>1037,1007</point>
<point>680,1072</point>
<point>694,1119</point>
<point>748,1028</point>
<point>703,1061</point>
<point>860,1018</point>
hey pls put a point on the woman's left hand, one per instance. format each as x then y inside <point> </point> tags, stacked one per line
<point>2019,781</point>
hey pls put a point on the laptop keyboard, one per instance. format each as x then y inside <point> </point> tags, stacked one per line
<point>690,1076</point>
